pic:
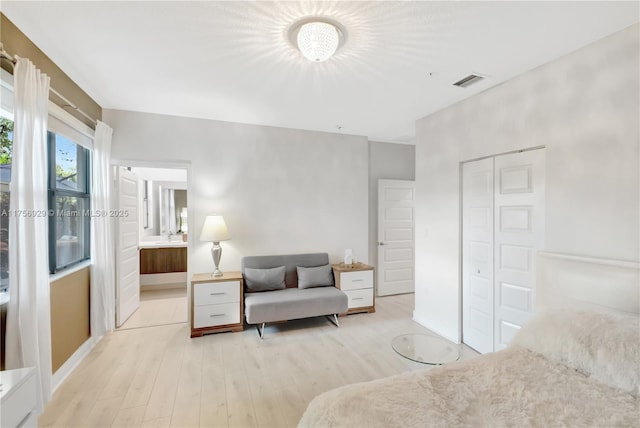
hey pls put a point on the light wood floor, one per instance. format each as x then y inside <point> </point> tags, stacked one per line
<point>159,377</point>
<point>159,307</point>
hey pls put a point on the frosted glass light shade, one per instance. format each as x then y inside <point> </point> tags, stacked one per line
<point>183,220</point>
<point>214,229</point>
<point>317,41</point>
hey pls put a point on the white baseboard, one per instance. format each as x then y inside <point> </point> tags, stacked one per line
<point>436,330</point>
<point>76,358</point>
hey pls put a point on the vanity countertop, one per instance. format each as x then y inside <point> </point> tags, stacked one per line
<point>162,244</point>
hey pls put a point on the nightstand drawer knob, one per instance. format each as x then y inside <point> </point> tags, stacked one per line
<point>217,294</point>
<point>216,315</point>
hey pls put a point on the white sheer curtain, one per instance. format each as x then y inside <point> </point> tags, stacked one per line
<point>102,251</point>
<point>28,337</point>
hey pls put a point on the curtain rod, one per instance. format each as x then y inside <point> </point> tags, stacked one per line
<point>4,54</point>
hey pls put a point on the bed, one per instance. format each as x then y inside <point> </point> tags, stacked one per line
<point>575,363</point>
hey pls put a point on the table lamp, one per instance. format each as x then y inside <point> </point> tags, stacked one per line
<point>215,230</point>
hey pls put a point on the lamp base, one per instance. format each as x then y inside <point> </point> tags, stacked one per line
<point>216,253</point>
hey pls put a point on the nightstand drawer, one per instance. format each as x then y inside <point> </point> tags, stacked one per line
<point>356,280</point>
<point>360,298</point>
<point>210,293</point>
<point>212,315</point>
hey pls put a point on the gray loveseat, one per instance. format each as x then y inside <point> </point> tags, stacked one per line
<point>263,304</point>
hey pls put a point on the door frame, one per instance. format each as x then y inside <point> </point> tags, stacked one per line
<point>460,219</point>
<point>190,213</point>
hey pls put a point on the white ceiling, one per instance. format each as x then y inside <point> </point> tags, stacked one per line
<point>232,61</point>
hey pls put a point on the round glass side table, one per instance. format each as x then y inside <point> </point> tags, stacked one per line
<point>425,349</point>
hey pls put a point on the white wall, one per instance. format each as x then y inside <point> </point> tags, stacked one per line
<point>279,190</point>
<point>386,161</point>
<point>584,108</point>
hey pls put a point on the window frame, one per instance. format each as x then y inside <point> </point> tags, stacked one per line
<point>54,192</point>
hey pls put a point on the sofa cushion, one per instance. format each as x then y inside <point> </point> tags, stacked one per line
<point>294,303</point>
<point>319,276</point>
<point>289,261</point>
<point>264,279</point>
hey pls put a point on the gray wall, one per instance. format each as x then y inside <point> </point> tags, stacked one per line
<point>584,107</point>
<point>279,190</point>
<point>386,161</point>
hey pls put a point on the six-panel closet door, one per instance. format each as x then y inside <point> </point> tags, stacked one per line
<point>477,254</point>
<point>502,228</point>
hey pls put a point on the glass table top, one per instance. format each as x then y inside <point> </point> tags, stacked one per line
<point>425,349</point>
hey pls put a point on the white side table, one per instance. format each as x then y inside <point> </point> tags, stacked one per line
<point>18,398</point>
<point>217,303</point>
<point>357,281</point>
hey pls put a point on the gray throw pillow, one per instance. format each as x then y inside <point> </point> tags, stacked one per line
<point>264,279</point>
<point>320,276</point>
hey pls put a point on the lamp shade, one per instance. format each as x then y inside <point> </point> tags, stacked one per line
<point>214,229</point>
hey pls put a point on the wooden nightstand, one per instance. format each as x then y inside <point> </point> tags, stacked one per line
<point>217,303</point>
<point>357,281</point>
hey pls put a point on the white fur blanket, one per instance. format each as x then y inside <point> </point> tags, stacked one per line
<point>511,388</point>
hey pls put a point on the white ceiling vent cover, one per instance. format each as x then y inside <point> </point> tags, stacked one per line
<point>469,80</point>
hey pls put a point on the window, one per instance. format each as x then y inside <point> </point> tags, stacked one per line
<point>6,146</point>
<point>69,207</point>
<point>6,153</point>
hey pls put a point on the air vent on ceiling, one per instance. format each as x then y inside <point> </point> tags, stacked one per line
<point>469,80</point>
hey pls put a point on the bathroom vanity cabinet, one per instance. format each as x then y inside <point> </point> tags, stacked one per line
<point>163,260</point>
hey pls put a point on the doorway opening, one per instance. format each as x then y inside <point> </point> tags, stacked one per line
<point>151,289</point>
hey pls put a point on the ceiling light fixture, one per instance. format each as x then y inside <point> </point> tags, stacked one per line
<point>317,38</point>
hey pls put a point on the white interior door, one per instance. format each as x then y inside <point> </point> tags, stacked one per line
<point>519,233</point>
<point>477,255</point>
<point>127,257</point>
<point>396,207</point>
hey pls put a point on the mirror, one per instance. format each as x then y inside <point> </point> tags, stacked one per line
<point>162,194</point>
<point>172,201</point>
